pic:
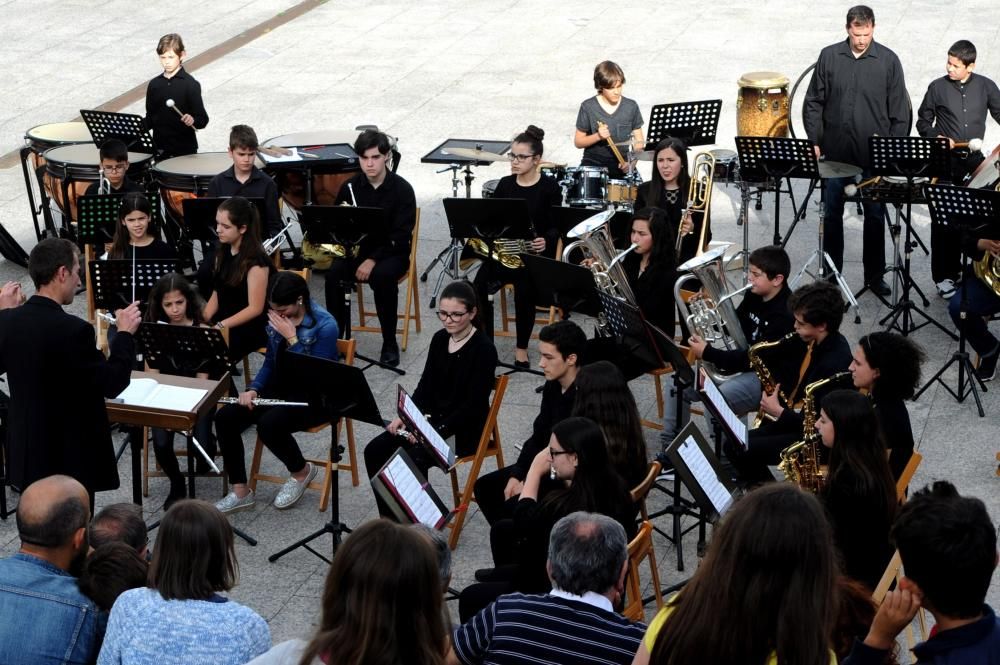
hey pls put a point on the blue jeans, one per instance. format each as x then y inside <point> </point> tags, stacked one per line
<point>873,250</point>
<point>741,391</point>
<point>980,301</point>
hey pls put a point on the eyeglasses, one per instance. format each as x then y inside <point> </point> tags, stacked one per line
<point>451,316</point>
<point>556,453</point>
<point>117,168</point>
<point>519,158</point>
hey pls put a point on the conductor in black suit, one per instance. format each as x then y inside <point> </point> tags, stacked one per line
<point>58,378</point>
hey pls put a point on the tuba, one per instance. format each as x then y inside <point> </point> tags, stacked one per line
<point>710,313</point>
<point>800,461</point>
<point>767,381</point>
<point>594,240</point>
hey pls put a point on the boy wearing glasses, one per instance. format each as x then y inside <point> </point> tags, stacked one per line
<point>114,165</point>
<point>608,114</point>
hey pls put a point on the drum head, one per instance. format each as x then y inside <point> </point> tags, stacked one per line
<point>763,80</point>
<point>318,137</point>
<point>723,155</point>
<point>900,180</point>
<point>59,133</point>
<point>201,164</point>
<point>88,155</point>
<point>588,171</point>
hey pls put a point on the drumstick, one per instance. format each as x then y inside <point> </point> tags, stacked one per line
<point>171,104</point>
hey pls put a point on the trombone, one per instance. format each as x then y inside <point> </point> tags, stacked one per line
<point>699,199</point>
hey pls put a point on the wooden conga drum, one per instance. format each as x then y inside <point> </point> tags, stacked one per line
<point>762,105</point>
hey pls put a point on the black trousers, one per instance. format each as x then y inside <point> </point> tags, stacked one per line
<point>764,446</point>
<point>488,491</point>
<point>873,235</point>
<point>384,280</point>
<point>163,448</point>
<point>489,279</point>
<point>275,425</point>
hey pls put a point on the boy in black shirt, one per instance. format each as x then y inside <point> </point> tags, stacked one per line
<point>173,132</point>
<point>114,165</point>
<point>244,179</point>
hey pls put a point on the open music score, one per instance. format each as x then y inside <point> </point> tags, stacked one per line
<point>735,425</point>
<point>420,427</point>
<point>705,475</point>
<point>151,393</point>
<point>409,495</point>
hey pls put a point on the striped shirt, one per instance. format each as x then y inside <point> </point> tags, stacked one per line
<point>519,628</point>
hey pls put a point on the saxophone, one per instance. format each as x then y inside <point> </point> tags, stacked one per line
<point>763,373</point>
<point>800,461</point>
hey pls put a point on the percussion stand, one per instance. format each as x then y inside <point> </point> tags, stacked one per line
<point>963,209</point>
<point>771,159</point>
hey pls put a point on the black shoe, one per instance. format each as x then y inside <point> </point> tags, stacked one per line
<point>879,288</point>
<point>485,574</point>
<point>177,492</point>
<point>522,364</point>
<point>389,355</point>
<point>987,369</point>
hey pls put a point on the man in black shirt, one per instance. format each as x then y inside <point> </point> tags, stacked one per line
<point>114,165</point>
<point>857,91</point>
<point>244,179</point>
<point>560,346</point>
<point>955,107</point>
<point>381,260</point>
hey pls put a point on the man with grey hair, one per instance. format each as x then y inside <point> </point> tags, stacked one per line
<point>576,621</point>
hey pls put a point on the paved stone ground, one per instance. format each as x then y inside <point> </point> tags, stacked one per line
<point>432,70</point>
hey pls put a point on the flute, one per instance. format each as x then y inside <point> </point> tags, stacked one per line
<point>262,401</point>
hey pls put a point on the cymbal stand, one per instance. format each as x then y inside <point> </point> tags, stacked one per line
<point>743,254</point>
<point>450,257</point>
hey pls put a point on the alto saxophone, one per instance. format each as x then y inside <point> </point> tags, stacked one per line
<point>764,374</point>
<point>800,461</point>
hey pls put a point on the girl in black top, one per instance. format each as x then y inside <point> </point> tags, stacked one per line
<point>135,235</point>
<point>886,365</point>
<point>668,191</point>
<point>860,495</point>
<point>240,277</point>
<point>651,269</point>
<point>541,193</point>
<point>454,389</point>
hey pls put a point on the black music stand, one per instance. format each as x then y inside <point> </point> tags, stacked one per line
<point>128,127</point>
<point>700,471</point>
<point>769,158</point>
<point>567,286</point>
<point>98,217</point>
<point>693,122</point>
<point>113,284</point>
<point>349,227</point>
<point>910,157</point>
<point>963,210</point>
<point>342,392</point>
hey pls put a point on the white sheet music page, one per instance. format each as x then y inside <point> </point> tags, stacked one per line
<point>733,421</point>
<point>704,475</point>
<point>148,392</point>
<point>440,446</point>
<point>412,493</point>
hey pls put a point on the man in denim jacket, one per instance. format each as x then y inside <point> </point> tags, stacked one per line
<point>45,616</point>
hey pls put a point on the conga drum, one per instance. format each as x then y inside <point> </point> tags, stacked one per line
<point>762,105</point>
<point>327,175</point>
<point>70,170</point>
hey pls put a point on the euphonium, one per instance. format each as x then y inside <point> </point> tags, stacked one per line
<point>987,269</point>
<point>596,244</point>
<point>506,251</point>
<point>699,198</point>
<point>800,461</point>
<point>767,381</point>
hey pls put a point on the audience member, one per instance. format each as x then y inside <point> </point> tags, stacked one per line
<point>181,618</point>
<point>110,570</point>
<point>382,604</point>
<point>46,618</point>
<point>948,546</point>
<point>120,522</point>
<point>576,621</point>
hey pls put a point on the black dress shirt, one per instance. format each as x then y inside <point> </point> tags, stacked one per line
<point>171,136</point>
<point>557,405</point>
<point>958,110</point>
<point>396,197</point>
<point>258,186</point>
<point>850,99</point>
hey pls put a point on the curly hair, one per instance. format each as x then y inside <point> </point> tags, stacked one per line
<point>898,360</point>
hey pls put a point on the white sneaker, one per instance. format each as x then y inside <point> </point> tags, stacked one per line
<point>293,489</point>
<point>234,504</point>
<point>946,288</point>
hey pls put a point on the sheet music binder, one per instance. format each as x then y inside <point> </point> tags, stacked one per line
<point>423,432</point>
<point>707,391</point>
<point>700,471</point>
<point>391,489</point>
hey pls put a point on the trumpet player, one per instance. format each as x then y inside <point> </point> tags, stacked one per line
<point>763,316</point>
<point>541,193</point>
<point>668,190</point>
<point>955,107</point>
<point>295,323</point>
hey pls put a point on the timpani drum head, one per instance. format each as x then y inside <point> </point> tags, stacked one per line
<point>57,133</point>
<point>84,158</point>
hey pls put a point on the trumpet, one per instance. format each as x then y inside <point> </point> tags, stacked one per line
<point>272,244</point>
<point>262,401</point>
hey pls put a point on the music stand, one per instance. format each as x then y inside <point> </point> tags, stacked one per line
<point>700,471</point>
<point>963,210</point>
<point>408,494</point>
<point>693,122</point>
<point>567,286</point>
<point>349,227</point>
<point>910,157</point>
<point>341,391</point>
<point>770,158</point>
<point>630,331</point>
<point>732,425</point>
<point>113,283</point>
<point>128,127</point>
<point>98,216</point>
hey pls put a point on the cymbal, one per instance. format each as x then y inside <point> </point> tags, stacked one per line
<point>828,169</point>
<point>478,155</point>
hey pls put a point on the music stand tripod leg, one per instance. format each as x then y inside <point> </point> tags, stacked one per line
<point>191,443</point>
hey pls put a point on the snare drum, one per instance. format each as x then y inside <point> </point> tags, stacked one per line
<point>327,177</point>
<point>762,105</point>
<point>622,191</point>
<point>70,169</point>
<point>187,177</point>
<point>727,166</point>
<point>490,188</point>
<point>588,186</point>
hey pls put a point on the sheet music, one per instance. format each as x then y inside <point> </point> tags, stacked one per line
<point>148,392</point>
<point>704,475</point>
<point>295,156</point>
<point>735,424</point>
<point>412,493</point>
<point>440,446</point>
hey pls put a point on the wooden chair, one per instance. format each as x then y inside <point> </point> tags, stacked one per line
<point>157,472</point>
<point>639,493</point>
<point>304,274</point>
<point>890,579</point>
<point>489,446</point>
<point>907,475</point>
<point>411,303</point>
<point>346,348</point>
<point>639,549</point>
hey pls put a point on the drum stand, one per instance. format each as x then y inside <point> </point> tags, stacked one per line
<point>450,256</point>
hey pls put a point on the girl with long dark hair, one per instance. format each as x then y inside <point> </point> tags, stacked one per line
<point>651,269</point>
<point>135,236</point>
<point>667,190</point>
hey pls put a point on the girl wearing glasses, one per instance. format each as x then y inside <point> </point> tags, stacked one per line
<point>541,192</point>
<point>606,115</point>
<point>454,390</point>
